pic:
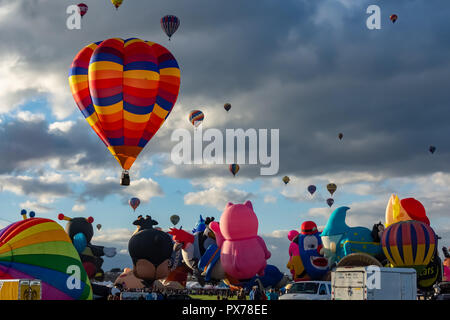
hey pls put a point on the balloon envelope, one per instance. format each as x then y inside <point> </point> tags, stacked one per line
<point>227,106</point>
<point>174,219</point>
<point>170,24</point>
<point>196,117</point>
<point>432,149</point>
<point>312,189</point>
<point>409,243</point>
<point>340,136</point>
<point>99,226</point>
<point>234,168</point>
<point>125,89</point>
<point>330,202</point>
<point>286,179</point>
<point>117,3</point>
<point>331,187</point>
<point>134,203</point>
<point>393,18</point>
<point>38,248</point>
<point>83,8</point>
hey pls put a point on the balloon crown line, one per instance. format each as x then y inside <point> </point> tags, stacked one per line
<point>23,213</point>
<point>61,216</point>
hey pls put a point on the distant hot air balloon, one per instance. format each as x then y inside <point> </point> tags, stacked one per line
<point>83,9</point>
<point>117,3</point>
<point>174,219</point>
<point>125,89</point>
<point>312,189</point>
<point>234,168</point>
<point>331,187</point>
<point>393,18</point>
<point>99,226</point>
<point>196,117</point>
<point>330,202</point>
<point>409,244</point>
<point>134,203</point>
<point>286,179</point>
<point>170,24</point>
<point>432,149</point>
<point>227,106</point>
<point>340,136</point>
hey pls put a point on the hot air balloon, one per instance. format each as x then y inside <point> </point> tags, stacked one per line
<point>409,244</point>
<point>174,219</point>
<point>340,136</point>
<point>170,24</point>
<point>227,106</point>
<point>126,89</point>
<point>38,248</point>
<point>83,9</point>
<point>286,179</point>
<point>196,117</point>
<point>99,226</point>
<point>117,3</point>
<point>234,168</point>
<point>393,18</point>
<point>432,149</point>
<point>330,202</point>
<point>312,189</point>
<point>134,203</point>
<point>331,187</point>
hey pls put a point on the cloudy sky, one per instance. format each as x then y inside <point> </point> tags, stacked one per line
<point>311,69</point>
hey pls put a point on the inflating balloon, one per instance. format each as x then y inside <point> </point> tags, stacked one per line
<point>286,179</point>
<point>330,202</point>
<point>134,203</point>
<point>125,89</point>
<point>196,117</point>
<point>174,219</point>
<point>83,9</point>
<point>432,149</point>
<point>150,250</point>
<point>312,189</point>
<point>117,3</point>
<point>409,244</point>
<point>38,248</point>
<point>243,253</point>
<point>393,18</point>
<point>227,106</point>
<point>170,24</point>
<point>234,168</point>
<point>404,210</point>
<point>331,187</point>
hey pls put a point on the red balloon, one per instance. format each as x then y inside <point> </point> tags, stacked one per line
<point>83,8</point>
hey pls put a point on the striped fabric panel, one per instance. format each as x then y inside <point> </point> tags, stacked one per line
<point>129,88</point>
<point>170,24</point>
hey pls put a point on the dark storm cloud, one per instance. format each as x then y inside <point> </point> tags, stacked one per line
<point>291,68</point>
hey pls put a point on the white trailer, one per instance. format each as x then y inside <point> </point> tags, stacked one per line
<point>373,283</point>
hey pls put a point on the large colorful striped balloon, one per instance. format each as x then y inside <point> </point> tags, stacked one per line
<point>409,244</point>
<point>38,248</point>
<point>126,89</point>
<point>196,117</point>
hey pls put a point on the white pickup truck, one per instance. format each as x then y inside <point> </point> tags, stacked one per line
<point>373,283</point>
<point>308,290</point>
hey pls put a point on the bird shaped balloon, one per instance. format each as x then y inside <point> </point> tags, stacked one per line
<point>125,89</point>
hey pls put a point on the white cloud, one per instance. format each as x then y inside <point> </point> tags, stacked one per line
<point>28,116</point>
<point>63,126</point>
<point>79,208</point>
<point>216,197</point>
<point>270,199</point>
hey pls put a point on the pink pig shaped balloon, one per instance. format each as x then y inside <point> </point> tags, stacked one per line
<point>243,252</point>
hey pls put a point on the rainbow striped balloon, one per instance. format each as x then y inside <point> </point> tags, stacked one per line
<point>125,89</point>
<point>38,248</point>
<point>196,117</point>
<point>409,244</point>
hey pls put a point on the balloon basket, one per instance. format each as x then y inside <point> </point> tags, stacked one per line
<point>125,178</point>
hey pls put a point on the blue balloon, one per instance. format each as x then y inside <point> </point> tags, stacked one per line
<point>79,242</point>
<point>312,189</point>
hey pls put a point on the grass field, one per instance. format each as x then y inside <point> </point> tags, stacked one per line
<point>208,297</point>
